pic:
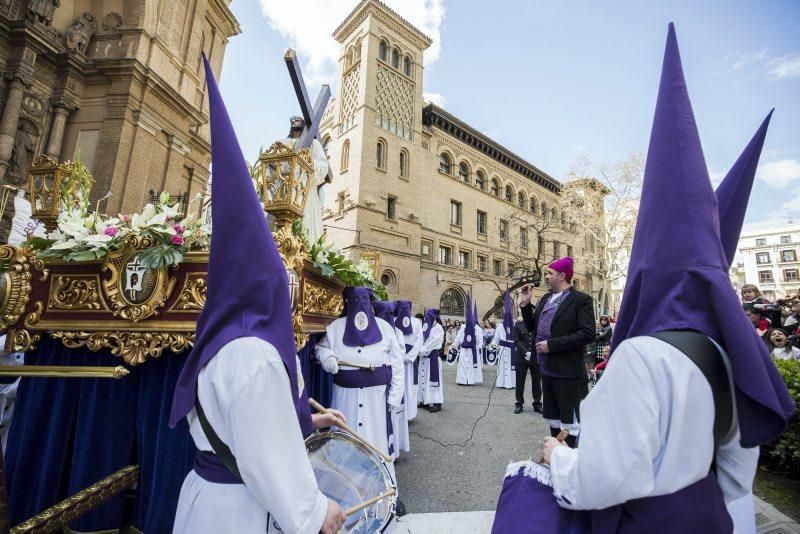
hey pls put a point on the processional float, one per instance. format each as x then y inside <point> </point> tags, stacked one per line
<point>128,314</point>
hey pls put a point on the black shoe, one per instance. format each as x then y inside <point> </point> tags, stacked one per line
<point>399,508</point>
<point>537,407</point>
<point>572,441</point>
<point>435,408</point>
<point>518,408</point>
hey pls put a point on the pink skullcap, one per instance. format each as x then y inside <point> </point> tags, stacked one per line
<point>564,265</point>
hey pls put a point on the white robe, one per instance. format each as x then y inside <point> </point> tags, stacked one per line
<point>246,396</point>
<point>467,374</point>
<point>412,390</point>
<point>642,435</point>
<point>399,419</point>
<point>506,377</point>
<point>365,408</point>
<point>429,393</point>
<point>312,213</point>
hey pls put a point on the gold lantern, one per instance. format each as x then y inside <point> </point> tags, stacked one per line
<point>44,183</point>
<point>283,177</point>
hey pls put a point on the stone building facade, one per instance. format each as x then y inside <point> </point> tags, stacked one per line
<point>438,207</point>
<point>119,82</point>
<point>770,259</point>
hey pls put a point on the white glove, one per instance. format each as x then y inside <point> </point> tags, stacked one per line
<point>331,365</point>
<point>528,355</point>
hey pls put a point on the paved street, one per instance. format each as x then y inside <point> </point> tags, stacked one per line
<point>446,471</point>
<point>451,479</point>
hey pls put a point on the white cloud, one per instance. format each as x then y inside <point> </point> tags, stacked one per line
<point>308,25</point>
<point>780,173</point>
<point>436,98</point>
<point>785,67</point>
<point>762,63</point>
<point>743,60</point>
<point>716,175</point>
<point>792,205</point>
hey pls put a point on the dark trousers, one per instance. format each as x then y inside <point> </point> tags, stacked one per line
<point>536,382</point>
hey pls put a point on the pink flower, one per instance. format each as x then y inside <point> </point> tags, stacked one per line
<point>112,231</point>
<point>177,240</point>
<point>126,218</point>
<point>178,228</point>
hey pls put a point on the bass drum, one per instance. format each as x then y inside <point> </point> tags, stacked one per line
<point>349,473</point>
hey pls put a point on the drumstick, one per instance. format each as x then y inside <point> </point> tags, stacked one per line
<point>561,437</point>
<point>354,509</point>
<point>341,424</point>
<point>357,365</point>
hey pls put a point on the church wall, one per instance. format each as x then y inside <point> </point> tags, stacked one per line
<point>133,91</point>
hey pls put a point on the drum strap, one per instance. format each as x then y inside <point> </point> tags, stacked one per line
<point>703,352</point>
<point>222,451</point>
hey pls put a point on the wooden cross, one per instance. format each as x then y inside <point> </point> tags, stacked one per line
<point>312,115</point>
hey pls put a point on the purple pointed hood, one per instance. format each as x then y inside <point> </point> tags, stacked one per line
<point>384,309</point>
<point>678,273</point>
<point>733,193</point>
<point>431,318</point>
<point>361,328</point>
<point>470,341</point>
<point>244,298</point>
<point>402,317</point>
<point>508,315</point>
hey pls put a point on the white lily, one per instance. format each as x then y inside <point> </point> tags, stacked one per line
<point>64,245</point>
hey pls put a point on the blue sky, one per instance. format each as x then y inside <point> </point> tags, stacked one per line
<point>553,79</point>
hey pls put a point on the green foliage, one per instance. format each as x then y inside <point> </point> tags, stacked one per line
<point>332,263</point>
<point>787,449</point>
<point>160,255</point>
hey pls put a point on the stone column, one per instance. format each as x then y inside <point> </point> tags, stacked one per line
<point>9,123</point>
<point>57,132</point>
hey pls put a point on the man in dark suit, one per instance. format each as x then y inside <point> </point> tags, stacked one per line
<point>562,325</point>
<point>525,362</point>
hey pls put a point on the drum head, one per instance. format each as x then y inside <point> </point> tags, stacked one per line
<point>349,473</point>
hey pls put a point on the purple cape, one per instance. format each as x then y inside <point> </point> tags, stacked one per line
<point>508,315</point>
<point>431,318</point>
<point>361,329</point>
<point>402,317</point>
<point>245,298</point>
<point>678,273</point>
<point>384,309</point>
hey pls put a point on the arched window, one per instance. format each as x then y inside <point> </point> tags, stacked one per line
<point>380,154</point>
<point>345,156</point>
<point>326,143</point>
<point>554,215</point>
<point>383,50</point>
<point>357,50</point>
<point>348,61</point>
<point>407,66</point>
<point>451,303</point>
<point>534,207</point>
<point>480,180</point>
<point>403,163</point>
<point>396,58</point>
<point>564,218</point>
<point>495,190</point>
<point>509,193</point>
<point>463,172</point>
<point>522,200</point>
<point>544,210</point>
<point>445,163</point>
